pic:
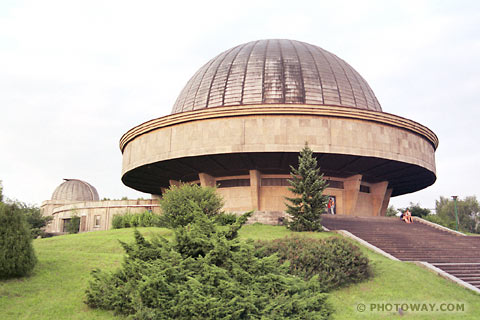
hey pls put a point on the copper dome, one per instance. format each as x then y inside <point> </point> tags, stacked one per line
<point>276,72</point>
<point>75,190</point>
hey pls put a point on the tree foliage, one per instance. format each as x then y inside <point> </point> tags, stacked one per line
<point>204,273</point>
<point>35,220</point>
<point>179,203</point>
<point>307,184</point>
<point>416,210</point>
<point>17,257</point>
<point>468,213</point>
<point>391,211</point>
<point>73,225</point>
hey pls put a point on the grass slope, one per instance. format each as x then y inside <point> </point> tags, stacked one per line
<point>56,289</point>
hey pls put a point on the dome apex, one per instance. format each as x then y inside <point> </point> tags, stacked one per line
<point>276,71</point>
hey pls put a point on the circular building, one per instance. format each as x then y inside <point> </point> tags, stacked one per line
<point>241,120</point>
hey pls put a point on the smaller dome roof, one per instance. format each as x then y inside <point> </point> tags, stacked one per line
<point>75,190</point>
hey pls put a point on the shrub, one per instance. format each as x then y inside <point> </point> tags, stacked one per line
<point>204,273</point>
<point>17,257</point>
<point>179,203</point>
<point>74,225</point>
<point>144,219</point>
<point>117,221</point>
<point>334,261</point>
<point>441,221</point>
<point>225,219</point>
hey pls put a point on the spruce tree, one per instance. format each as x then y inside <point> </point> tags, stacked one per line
<point>17,257</point>
<point>307,184</point>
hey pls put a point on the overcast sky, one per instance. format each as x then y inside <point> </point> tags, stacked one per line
<point>76,75</point>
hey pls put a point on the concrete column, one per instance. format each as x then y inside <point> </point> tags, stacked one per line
<point>350,194</point>
<point>174,183</point>
<point>377,192</point>
<point>255,182</point>
<point>386,200</point>
<point>206,180</point>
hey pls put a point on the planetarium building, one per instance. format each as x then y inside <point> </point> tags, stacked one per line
<point>241,120</point>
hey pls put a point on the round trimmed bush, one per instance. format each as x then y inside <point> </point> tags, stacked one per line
<point>179,203</point>
<point>335,261</point>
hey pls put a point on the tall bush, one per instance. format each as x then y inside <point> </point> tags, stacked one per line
<point>17,257</point>
<point>309,203</point>
<point>179,203</point>
<point>74,224</point>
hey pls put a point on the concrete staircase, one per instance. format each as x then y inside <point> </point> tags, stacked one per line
<point>455,254</point>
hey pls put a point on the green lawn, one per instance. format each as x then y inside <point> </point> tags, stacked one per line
<point>56,289</point>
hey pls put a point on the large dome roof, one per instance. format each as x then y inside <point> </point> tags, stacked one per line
<point>276,72</point>
<point>75,190</point>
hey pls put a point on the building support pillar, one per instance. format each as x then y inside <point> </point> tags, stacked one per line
<point>206,180</point>
<point>386,200</point>
<point>351,189</point>
<point>255,182</point>
<point>377,192</point>
<point>174,183</point>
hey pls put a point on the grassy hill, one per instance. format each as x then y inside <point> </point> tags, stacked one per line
<point>56,289</point>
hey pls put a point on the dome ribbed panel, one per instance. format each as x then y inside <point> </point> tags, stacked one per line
<point>252,91</point>
<point>292,73</point>
<point>75,190</point>
<point>233,92</point>
<point>276,72</point>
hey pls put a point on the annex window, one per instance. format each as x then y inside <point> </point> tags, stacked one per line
<point>97,221</point>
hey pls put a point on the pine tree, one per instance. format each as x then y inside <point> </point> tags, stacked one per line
<point>308,184</point>
<point>17,257</point>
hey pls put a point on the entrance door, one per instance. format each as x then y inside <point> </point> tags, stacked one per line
<point>83,223</point>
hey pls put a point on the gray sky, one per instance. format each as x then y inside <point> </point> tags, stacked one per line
<point>76,75</point>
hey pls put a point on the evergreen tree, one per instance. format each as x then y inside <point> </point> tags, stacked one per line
<point>17,257</point>
<point>308,184</point>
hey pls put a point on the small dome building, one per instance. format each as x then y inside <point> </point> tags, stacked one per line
<point>241,120</point>
<point>75,190</point>
<point>79,198</point>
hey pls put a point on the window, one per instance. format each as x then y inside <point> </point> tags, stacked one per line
<point>97,220</point>
<point>66,222</point>
<point>335,184</point>
<point>364,189</point>
<point>233,183</point>
<point>269,182</point>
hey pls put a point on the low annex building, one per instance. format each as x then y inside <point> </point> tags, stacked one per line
<point>77,197</point>
<point>242,118</point>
